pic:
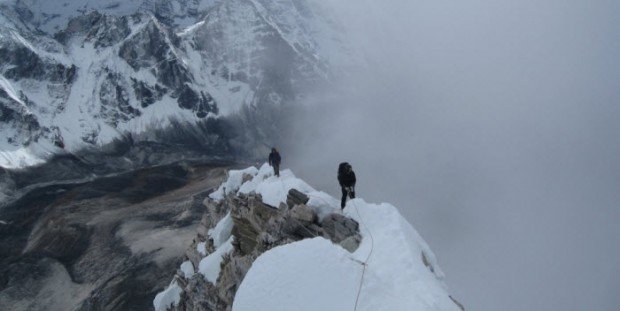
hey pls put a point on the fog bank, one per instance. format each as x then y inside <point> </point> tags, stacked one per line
<point>493,126</point>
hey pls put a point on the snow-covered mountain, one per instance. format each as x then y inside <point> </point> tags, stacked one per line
<point>275,243</point>
<point>77,74</point>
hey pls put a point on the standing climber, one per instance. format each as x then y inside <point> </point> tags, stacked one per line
<point>274,161</point>
<point>346,178</point>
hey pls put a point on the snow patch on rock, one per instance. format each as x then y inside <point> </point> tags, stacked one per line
<point>202,248</point>
<point>274,190</point>
<point>210,265</point>
<point>221,232</point>
<point>169,297</point>
<point>188,269</point>
<point>232,184</point>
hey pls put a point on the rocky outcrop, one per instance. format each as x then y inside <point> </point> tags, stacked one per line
<point>100,29</point>
<point>257,228</point>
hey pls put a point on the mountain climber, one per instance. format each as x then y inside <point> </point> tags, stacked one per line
<point>274,161</point>
<point>346,178</point>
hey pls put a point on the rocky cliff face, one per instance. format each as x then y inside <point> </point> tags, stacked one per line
<point>88,73</point>
<point>256,228</point>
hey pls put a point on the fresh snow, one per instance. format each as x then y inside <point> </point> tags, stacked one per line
<point>232,184</point>
<point>190,29</point>
<point>12,157</point>
<point>8,88</point>
<point>221,232</point>
<point>202,248</point>
<point>210,265</point>
<point>322,272</point>
<point>274,190</point>
<point>170,296</point>
<point>188,269</point>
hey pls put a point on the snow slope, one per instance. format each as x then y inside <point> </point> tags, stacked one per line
<point>318,275</point>
<point>393,269</point>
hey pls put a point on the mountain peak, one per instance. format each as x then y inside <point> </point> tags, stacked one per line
<point>94,72</point>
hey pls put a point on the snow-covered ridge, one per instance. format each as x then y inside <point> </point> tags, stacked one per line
<point>392,269</point>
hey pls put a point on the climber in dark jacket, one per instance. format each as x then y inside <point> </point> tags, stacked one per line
<point>274,161</point>
<point>346,178</point>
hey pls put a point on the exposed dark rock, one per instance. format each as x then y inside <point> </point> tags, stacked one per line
<point>202,103</point>
<point>20,62</point>
<point>296,197</point>
<point>246,177</point>
<point>250,215</point>
<point>457,303</point>
<point>338,227</point>
<point>115,104</point>
<point>100,29</point>
<point>151,49</point>
<point>25,125</point>
<point>147,95</point>
<point>303,214</point>
<point>426,262</point>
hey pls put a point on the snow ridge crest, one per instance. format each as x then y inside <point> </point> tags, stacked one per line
<point>263,234</point>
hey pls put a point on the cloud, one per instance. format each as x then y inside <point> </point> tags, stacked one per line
<point>493,126</point>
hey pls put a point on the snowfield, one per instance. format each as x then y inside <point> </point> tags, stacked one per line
<point>393,269</point>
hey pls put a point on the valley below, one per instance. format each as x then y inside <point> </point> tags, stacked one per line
<point>105,243</point>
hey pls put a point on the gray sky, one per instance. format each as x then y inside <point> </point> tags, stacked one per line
<point>494,127</point>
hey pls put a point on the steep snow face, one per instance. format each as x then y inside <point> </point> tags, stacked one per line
<point>110,68</point>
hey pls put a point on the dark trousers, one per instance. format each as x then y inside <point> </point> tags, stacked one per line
<point>276,169</point>
<point>350,191</point>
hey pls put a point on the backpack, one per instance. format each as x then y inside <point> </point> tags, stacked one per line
<point>343,168</point>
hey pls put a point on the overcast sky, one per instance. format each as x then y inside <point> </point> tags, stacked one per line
<point>494,126</point>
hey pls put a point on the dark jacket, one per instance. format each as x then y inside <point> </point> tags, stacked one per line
<point>346,176</point>
<point>274,158</point>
